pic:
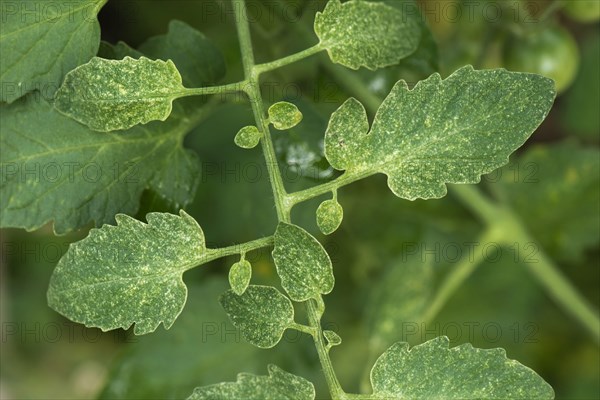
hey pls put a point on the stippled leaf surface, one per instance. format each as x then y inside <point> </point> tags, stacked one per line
<point>41,42</point>
<point>302,263</point>
<point>565,177</point>
<point>248,137</point>
<point>284,115</point>
<point>109,95</point>
<point>129,273</point>
<point>441,131</point>
<point>278,385</point>
<point>329,216</point>
<point>239,276</point>
<point>262,313</point>
<point>359,33</point>
<point>434,371</point>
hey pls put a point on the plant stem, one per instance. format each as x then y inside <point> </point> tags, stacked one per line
<point>315,191</point>
<point>282,62</point>
<point>253,91</point>
<point>214,254</point>
<point>236,87</point>
<point>279,193</point>
<point>332,382</point>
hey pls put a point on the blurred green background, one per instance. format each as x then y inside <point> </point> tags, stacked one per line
<point>389,254</point>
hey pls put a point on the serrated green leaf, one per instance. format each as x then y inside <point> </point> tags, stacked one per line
<point>117,51</point>
<point>363,34</point>
<point>239,276</point>
<point>279,385</point>
<point>55,169</point>
<point>284,115</point>
<point>40,42</point>
<point>129,273</point>
<point>564,177</point>
<point>434,371</point>
<point>262,314</point>
<point>329,216</point>
<point>109,95</point>
<point>302,263</point>
<point>442,131</point>
<point>248,137</point>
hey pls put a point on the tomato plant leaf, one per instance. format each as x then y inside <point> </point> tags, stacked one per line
<point>279,385</point>
<point>109,95</point>
<point>40,43</point>
<point>52,165</point>
<point>284,115</point>
<point>239,276</point>
<point>441,131</point>
<point>432,370</point>
<point>248,137</point>
<point>363,34</point>
<point>302,263</point>
<point>329,216</point>
<point>262,313</point>
<point>556,177</point>
<point>110,280</point>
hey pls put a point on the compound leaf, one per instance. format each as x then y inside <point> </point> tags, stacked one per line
<point>279,385</point>
<point>441,131</point>
<point>434,371</point>
<point>364,34</point>
<point>129,273</point>
<point>108,95</point>
<point>302,263</point>
<point>262,313</point>
<point>41,41</point>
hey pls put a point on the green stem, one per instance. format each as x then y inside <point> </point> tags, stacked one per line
<point>253,91</point>
<point>214,254</point>
<point>283,211</point>
<point>282,62</point>
<point>335,388</point>
<point>237,87</point>
<point>328,187</point>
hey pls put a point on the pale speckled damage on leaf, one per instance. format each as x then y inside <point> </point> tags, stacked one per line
<point>441,131</point>
<point>432,370</point>
<point>41,41</point>
<point>279,385</point>
<point>109,95</point>
<point>366,34</point>
<point>262,313</point>
<point>128,274</point>
<point>302,263</point>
